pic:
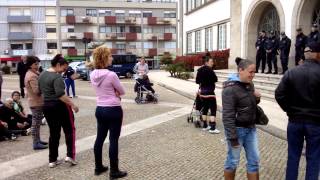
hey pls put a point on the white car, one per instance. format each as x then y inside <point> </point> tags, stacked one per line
<point>75,65</point>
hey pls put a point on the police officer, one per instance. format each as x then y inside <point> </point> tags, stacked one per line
<point>272,45</point>
<point>301,41</point>
<point>261,51</point>
<point>284,48</point>
<point>314,35</point>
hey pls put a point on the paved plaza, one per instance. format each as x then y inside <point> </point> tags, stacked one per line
<point>156,143</point>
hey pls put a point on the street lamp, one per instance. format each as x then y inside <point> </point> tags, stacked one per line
<point>86,41</point>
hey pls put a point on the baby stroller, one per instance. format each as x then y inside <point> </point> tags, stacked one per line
<point>195,115</point>
<point>143,86</point>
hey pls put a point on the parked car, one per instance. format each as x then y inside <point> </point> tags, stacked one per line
<point>76,64</point>
<point>83,71</point>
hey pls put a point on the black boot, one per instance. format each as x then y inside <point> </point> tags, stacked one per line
<point>114,170</point>
<point>100,170</point>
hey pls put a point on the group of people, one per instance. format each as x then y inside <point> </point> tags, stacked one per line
<point>268,47</point>
<point>297,94</point>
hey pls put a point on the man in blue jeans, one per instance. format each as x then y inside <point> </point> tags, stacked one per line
<point>298,94</point>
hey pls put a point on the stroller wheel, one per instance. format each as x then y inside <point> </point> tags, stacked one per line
<point>191,119</point>
<point>155,101</point>
<point>137,100</point>
<point>188,119</point>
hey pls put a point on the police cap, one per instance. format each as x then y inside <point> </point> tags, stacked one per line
<point>282,33</point>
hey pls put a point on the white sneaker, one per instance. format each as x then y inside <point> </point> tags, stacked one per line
<point>207,128</point>
<point>54,164</point>
<point>70,161</point>
<point>28,131</point>
<point>216,131</point>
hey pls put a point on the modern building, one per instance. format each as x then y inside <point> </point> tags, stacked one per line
<point>145,28</point>
<point>205,24</point>
<point>201,24</point>
<point>73,27</point>
<point>23,25</point>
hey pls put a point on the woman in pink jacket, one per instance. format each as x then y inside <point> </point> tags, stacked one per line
<point>108,112</point>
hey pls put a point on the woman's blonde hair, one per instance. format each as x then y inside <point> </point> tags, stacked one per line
<point>100,57</point>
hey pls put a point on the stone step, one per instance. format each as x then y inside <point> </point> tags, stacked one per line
<point>266,96</point>
<point>260,82</point>
<point>258,76</point>
<point>261,89</point>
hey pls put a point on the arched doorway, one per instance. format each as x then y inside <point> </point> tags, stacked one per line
<point>305,13</point>
<point>269,20</point>
<point>263,15</point>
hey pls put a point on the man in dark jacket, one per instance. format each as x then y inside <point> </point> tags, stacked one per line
<point>261,51</point>
<point>298,94</point>
<point>272,46</point>
<point>22,70</point>
<point>284,48</point>
<point>301,41</point>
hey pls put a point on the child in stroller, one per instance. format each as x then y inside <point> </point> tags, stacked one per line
<point>144,86</point>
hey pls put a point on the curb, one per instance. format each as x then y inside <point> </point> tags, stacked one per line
<point>270,129</point>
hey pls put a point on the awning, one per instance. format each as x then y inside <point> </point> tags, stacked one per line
<point>10,58</point>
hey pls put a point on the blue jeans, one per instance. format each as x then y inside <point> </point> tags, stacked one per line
<point>247,138</point>
<point>70,82</point>
<point>108,119</point>
<point>297,133</point>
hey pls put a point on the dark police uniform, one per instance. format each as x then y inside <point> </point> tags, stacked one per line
<point>284,47</point>
<point>313,37</point>
<point>272,43</point>
<point>301,41</point>
<point>261,53</point>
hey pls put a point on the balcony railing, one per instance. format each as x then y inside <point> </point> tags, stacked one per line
<point>20,36</point>
<point>72,52</point>
<point>152,52</point>
<point>19,19</point>
<point>71,20</point>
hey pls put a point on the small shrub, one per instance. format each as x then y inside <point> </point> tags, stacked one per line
<point>166,59</point>
<point>6,69</point>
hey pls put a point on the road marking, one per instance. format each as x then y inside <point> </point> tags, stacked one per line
<point>169,104</point>
<point>36,160</point>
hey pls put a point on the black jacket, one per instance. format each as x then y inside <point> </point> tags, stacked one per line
<point>206,77</point>
<point>301,41</point>
<point>298,93</point>
<point>69,72</point>
<point>313,37</point>
<point>261,44</point>
<point>22,69</point>
<point>272,43</point>
<point>239,107</point>
<point>284,47</point>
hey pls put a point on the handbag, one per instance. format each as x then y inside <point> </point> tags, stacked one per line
<point>74,76</point>
<point>261,117</point>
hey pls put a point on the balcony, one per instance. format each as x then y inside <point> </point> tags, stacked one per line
<point>116,36</point>
<point>21,52</point>
<point>114,51</point>
<point>88,35</point>
<point>131,36</point>
<point>19,19</point>
<point>71,20</point>
<point>130,20</point>
<point>135,51</point>
<point>152,52</point>
<point>110,20</point>
<point>152,20</point>
<point>72,52</point>
<point>167,36</point>
<point>20,36</point>
<point>72,36</point>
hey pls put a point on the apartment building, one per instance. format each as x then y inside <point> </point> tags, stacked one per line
<point>23,29</point>
<point>145,28</point>
<point>73,27</point>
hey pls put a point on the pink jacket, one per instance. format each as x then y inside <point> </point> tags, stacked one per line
<point>106,83</point>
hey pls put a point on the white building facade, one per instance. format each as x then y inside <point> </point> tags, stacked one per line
<point>204,24</point>
<point>243,20</point>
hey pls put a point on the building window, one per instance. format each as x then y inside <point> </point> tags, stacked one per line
<point>147,30</point>
<point>147,45</point>
<point>147,14</point>
<point>170,29</point>
<point>16,46</point>
<point>198,41</point>
<point>135,29</point>
<point>51,45</point>
<point>104,29</point>
<point>91,12</point>
<point>70,29</point>
<point>51,30</point>
<point>136,14</point>
<point>189,43</point>
<point>208,39</point>
<point>169,45</point>
<point>28,45</point>
<point>222,36</point>
<point>169,14</point>
<point>103,12</point>
<point>67,12</point>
